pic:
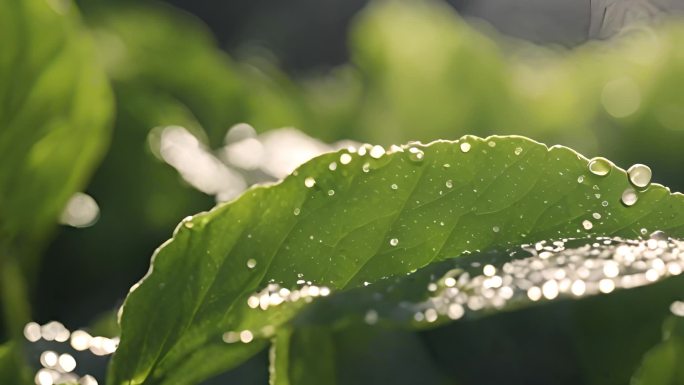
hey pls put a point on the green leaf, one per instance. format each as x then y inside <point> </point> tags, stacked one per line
<point>186,65</point>
<point>664,364</point>
<point>13,370</point>
<point>55,108</point>
<point>303,356</point>
<point>366,219</point>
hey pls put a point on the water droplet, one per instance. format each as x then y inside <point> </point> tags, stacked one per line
<point>534,293</point>
<point>465,147</point>
<point>309,182</point>
<point>550,289</point>
<point>449,183</point>
<point>345,158</point>
<point>377,152</point>
<point>518,150</point>
<point>331,192</point>
<point>491,143</point>
<point>489,270</point>
<point>371,317</point>
<point>596,215</point>
<point>643,231</point>
<point>604,203</point>
<point>365,167</point>
<point>446,165</point>
<point>629,197</point>
<point>659,235</point>
<point>640,175</point>
<point>394,242</point>
<point>495,229</point>
<point>578,287</point>
<point>296,211</point>
<point>416,154</point>
<point>394,186</point>
<point>600,166</point>
<point>251,263</point>
<point>455,311</point>
<point>580,179</point>
<point>606,285</point>
<point>587,224</point>
<point>332,166</point>
<point>246,336</point>
<point>677,308</point>
<point>188,224</point>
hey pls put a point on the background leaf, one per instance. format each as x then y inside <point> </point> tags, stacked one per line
<point>55,107</point>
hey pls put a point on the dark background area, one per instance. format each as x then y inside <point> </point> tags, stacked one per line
<point>306,35</point>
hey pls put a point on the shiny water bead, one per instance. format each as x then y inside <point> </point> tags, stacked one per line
<point>600,166</point>
<point>416,154</point>
<point>629,197</point>
<point>345,158</point>
<point>639,175</point>
<point>309,182</point>
<point>377,152</point>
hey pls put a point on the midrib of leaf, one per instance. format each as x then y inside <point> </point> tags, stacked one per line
<point>168,351</point>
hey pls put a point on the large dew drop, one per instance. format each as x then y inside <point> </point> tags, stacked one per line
<point>629,197</point>
<point>639,175</point>
<point>394,242</point>
<point>600,166</point>
<point>309,182</point>
<point>345,158</point>
<point>416,154</point>
<point>377,152</point>
<point>465,146</point>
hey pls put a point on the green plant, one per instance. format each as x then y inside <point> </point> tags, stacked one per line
<point>371,264</point>
<point>243,271</point>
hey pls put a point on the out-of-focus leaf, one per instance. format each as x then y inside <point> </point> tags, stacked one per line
<point>169,53</point>
<point>367,218</point>
<point>426,74</point>
<point>55,107</point>
<point>304,356</point>
<point>12,368</point>
<point>664,364</point>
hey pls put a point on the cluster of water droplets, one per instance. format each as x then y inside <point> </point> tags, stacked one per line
<point>550,272</point>
<point>59,368</point>
<point>271,296</point>
<point>639,177</point>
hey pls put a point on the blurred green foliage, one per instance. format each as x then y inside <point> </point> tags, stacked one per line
<point>662,365</point>
<point>417,72</point>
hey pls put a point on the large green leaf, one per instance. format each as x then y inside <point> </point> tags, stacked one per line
<point>345,219</point>
<point>55,106</point>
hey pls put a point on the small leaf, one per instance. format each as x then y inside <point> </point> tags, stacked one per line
<point>664,364</point>
<point>388,216</point>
